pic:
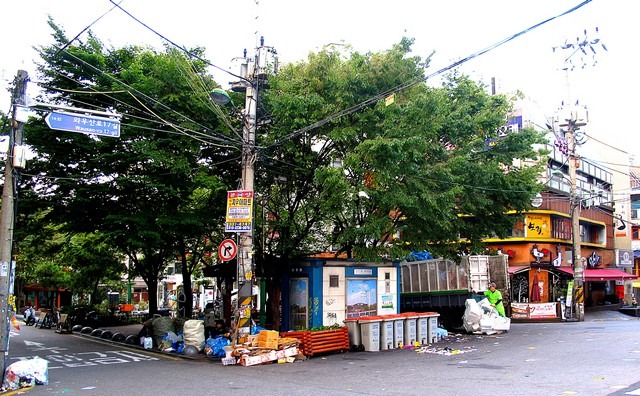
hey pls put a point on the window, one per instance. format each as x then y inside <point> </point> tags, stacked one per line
<point>334,281</point>
<point>592,233</point>
<point>561,228</point>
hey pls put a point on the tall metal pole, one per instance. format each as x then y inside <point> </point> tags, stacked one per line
<point>7,215</point>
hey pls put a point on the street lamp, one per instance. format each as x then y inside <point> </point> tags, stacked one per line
<point>220,97</point>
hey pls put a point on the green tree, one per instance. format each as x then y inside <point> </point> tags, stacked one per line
<point>91,261</point>
<point>132,189</point>
<point>420,167</point>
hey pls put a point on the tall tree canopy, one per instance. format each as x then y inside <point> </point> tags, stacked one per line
<point>337,165</point>
<point>156,187</point>
<point>419,168</point>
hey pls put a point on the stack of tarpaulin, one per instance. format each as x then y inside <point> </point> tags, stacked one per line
<point>482,318</point>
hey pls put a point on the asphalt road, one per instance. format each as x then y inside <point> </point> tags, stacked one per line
<point>600,356</point>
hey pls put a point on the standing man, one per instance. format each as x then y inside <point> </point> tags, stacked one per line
<point>495,298</point>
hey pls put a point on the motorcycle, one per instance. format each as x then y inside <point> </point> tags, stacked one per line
<point>29,316</point>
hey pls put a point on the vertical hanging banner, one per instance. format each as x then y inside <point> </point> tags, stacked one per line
<point>239,211</point>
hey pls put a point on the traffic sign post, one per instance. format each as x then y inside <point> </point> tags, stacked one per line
<point>90,125</point>
<point>227,250</point>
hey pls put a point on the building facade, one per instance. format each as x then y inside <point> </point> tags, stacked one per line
<point>540,247</point>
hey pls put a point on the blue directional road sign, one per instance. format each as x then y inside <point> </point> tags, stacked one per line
<point>83,124</point>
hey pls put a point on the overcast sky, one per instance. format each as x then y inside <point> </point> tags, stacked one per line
<point>453,29</point>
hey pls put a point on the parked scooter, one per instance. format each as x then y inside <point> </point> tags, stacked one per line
<point>29,316</point>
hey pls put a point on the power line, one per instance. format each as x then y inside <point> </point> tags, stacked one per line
<point>174,44</point>
<point>397,89</point>
<point>85,29</point>
<point>146,97</point>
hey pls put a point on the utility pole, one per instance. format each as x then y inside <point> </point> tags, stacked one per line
<point>254,73</point>
<point>13,160</point>
<point>246,274</point>
<point>573,121</point>
<point>581,54</point>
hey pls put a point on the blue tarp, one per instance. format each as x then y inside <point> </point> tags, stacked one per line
<point>420,256</point>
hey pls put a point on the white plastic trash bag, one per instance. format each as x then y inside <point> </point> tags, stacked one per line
<point>26,373</point>
<point>473,311</point>
<point>482,318</point>
<point>193,333</point>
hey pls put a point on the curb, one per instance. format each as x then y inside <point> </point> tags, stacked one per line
<point>172,354</point>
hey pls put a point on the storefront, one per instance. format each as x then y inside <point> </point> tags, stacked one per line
<point>537,292</point>
<point>540,292</point>
<point>41,297</point>
<point>605,286</point>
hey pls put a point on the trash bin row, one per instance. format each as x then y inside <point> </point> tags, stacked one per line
<point>375,333</point>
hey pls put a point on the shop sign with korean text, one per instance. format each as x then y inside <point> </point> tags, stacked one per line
<point>239,211</point>
<point>537,225</point>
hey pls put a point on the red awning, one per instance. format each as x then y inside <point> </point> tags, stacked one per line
<point>514,269</point>
<point>601,274</point>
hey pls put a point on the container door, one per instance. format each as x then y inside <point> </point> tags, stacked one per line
<point>478,272</point>
<point>299,303</point>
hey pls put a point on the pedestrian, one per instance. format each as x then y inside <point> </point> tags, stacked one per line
<point>495,298</point>
<point>30,316</point>
<point>219,330</point>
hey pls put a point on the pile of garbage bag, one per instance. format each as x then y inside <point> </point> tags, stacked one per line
<point>26,373</point>
<point>482,318</point>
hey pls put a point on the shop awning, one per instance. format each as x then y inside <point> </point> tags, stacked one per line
<point>601,274</point>
<point>514,269</point>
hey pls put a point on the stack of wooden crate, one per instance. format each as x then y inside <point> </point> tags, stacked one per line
<point>313,342</point>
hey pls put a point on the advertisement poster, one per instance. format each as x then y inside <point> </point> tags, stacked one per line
<point>387,301</point>
<point>543,311</point>
<point>361,298</point>
<point>519,311</point>
<point>239,211</point>
<point>298,303</point>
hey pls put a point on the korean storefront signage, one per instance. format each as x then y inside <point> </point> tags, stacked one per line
<point>537,226</point>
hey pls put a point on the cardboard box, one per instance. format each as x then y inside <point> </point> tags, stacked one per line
<point>268,344</point>
<point>268,335</point>
<point>252,340</point>
<point>268,357</point>
<point>268,339</point>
